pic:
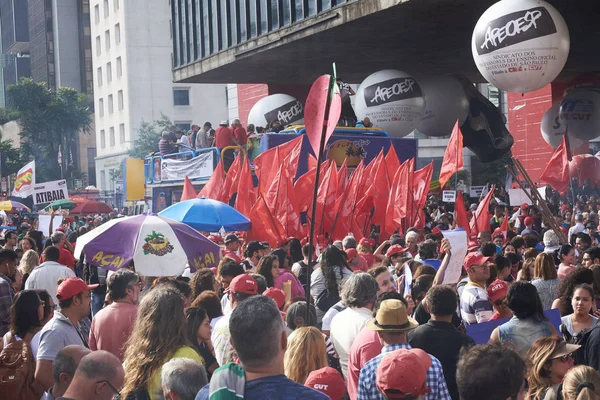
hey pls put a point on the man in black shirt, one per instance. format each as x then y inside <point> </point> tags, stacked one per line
<point>439,337</point>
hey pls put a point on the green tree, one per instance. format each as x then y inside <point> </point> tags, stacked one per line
<point>49,120</point>
<point>14,161</point>
<point>148,136</point>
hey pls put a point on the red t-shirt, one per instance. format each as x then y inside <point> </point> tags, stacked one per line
<point>241,135</point>
<point>231,254</point>
<point>66,258</point>
<point>223,137</point>
<point>495,316</point>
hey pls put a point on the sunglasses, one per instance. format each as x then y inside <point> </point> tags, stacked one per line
<point>566,358</point>
<point>117,394</point>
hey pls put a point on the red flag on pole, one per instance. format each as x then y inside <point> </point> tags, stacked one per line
<point>556,173</point>
<point>392,162</point>
<point>188,190</point>
<point>481,219</point>
<point>421,184</point>
<point>265,227</point>
<point>215,188</point>
<point>453,156</point>
<point>504,227</point>
<point>246,194</point>
<point>314,111</point>
<point>281,201</point>
<point>345,219</point>
<point>395,209</point>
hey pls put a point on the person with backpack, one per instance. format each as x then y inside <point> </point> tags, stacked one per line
<point>327,280</point>
<point>17,360</point>
<point>300,268</point>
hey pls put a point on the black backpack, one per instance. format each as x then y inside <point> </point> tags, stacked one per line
<point>579,338</point>
<point>302,273</point>
<point>327,299</point>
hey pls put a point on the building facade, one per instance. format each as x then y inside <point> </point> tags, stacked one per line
<point>133,82</point>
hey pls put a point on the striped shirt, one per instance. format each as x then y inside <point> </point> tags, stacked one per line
<point>475,305</point>
<point>367,385</point>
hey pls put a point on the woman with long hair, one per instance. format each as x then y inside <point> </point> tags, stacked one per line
<point>581,383</point>
<point>269,267</point>
<point>157,337</point>
<point>331,274</point>
<point>550,359</point>
<point>567,288</point>
<point>203,279</point>
<point>545,279</point>
<point>26,314</point>
<point>28,262</point>
<point>528,323</point>
<point>527,270</point>
<point>581,302</point>
<point>296,250</point>
<point>305,353</point>
<point>198,331</point>
<point>566,256</point>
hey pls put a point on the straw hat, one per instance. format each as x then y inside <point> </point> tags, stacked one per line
<point>392,316</point>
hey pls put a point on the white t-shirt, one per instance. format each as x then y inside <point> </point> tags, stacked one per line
<point>345,326</point>
<point>330,314</point>
<point>185,141</point>
<point>45,276</point>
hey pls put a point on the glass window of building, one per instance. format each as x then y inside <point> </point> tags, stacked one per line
<point>102,139</point>
<point>181,97</point>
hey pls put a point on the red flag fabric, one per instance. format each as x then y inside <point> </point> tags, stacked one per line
<point>326,196</point>
<point>453,156</point>
<point>392,162</point>
<point>395,210</point>
<point>504,226</point>
<point>303,189</point>
<point>481,219</point>
<point>312,162</point>
<point>379,192</point>
<point>265,227</point>
<point>246,194</point>
<point>405,195</point>
<point>460,213</point>
<point>556,173</point>
<point>421,184</point>
<point>314,111</point>
<point>188,190</point>
<point>231,180</point>
<point>267,163</point>
<point>345,220</point>
<point>281,201</point>
<point>343,177</point>
<point>215,188</point>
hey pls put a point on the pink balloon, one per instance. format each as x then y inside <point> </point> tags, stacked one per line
<point>314,111</point>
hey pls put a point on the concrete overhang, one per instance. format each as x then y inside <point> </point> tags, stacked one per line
<point>423,37</point>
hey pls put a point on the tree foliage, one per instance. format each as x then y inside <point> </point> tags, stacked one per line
<point>49,119</point>
<point>14,161</point>
<point>148,136</point>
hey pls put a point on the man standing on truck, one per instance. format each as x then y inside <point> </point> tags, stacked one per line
<point>224,137</point>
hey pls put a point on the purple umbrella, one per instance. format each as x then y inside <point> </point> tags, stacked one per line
<point>158,246</point>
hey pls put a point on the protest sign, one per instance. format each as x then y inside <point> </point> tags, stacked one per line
<point>49,192</point>
<point>459,245</point>
<point>449,196</point>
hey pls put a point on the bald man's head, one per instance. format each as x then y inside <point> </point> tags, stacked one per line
<point>99,365</point>
<point>99,376</point>
<point>65,364</point>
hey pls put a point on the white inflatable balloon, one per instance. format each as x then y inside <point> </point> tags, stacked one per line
<point>445,102</point>
<point>553,129</point>
<point>392,100</point>
<point>580,112</point>
<point>283,107</point>
<point>520,45</point>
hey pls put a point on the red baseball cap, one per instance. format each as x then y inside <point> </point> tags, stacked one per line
<point>403,373</point>
<point>524,206</point>
<point>243,283</point>
<point>395,249</point>
<point>72,287</point>
<point>497,290</point>
<point>475,259</point>
<point>351,253</point>
<point>528,221</point>
<point>276,294</point>
<point>327,381</point>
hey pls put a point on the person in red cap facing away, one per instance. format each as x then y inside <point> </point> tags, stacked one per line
<point>241,288</point>
<point>327,381</point>
<point>232,245</point>
<point>63,329</point>
<point>356,262</point>
<point>403,374</point>
<point>497,294</point>
<point>529,221</point>
<point>365,249</point>
<point>475,305</point>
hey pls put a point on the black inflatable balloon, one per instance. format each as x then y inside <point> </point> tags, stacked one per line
<point>484,130</point>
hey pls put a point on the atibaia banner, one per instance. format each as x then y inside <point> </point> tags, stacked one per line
<point>200,166</point>
<point>25,181</point>
<point>49,192</point>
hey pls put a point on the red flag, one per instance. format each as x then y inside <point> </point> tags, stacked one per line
<point>345,219</point>
<point>267,163</point>
<point>326,196</point>
<point>405,195</point>
<point>312,162</point>
<point>281,201</point>
<point>421,184</point>
<point>379,192</point>
<point>481,219</point>
<point>392,162</point>
<point>343,177</point>
<point>265,227</point>
<point>231,180</point>
<point>246,194</point>
<point>188,190</point>
<point>314,111</point>
<point>453,156</point>
<point>504,227</point>
<point>556,173</point>
<point>395,210</point>
<point>460,213</point>
<point>215,188</point>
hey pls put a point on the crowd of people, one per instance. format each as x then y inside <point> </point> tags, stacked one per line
<point>382,322</point>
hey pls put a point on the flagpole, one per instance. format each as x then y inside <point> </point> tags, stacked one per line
<point>568,148</point>
<point>311,235</point>
<point>456,173</point>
